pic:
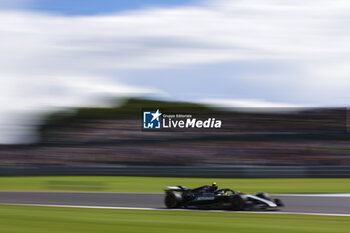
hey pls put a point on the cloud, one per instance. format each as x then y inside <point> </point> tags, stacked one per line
<point>50,61</point>
<point>253,106</point>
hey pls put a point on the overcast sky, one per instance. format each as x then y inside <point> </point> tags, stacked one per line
<point>63,53</point>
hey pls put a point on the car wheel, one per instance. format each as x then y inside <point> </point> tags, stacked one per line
<point>173,200</point>
<point>263,195</point>
<point>278,202</point>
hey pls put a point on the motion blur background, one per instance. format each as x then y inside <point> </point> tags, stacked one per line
<point>75,76</point>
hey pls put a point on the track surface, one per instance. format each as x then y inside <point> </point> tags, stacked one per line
<point>328,204</point>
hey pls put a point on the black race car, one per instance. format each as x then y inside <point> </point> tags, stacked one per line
<point>224,199</point>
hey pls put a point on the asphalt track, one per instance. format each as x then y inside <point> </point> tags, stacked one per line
<point>294,203</point>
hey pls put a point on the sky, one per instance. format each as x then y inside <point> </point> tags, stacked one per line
<point>89,7</point>
<point>59,54</point>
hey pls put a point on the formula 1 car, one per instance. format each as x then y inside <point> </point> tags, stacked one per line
<point>224,199</point>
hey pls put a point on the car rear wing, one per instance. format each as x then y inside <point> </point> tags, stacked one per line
<point>177,188</point>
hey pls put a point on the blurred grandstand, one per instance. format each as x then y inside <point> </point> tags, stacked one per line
<point>90,136</point>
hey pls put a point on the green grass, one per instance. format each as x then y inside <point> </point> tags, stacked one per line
<point>157,184</point>
<point>27,219</point>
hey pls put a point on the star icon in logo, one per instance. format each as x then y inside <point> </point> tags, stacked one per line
<point>156,115</point>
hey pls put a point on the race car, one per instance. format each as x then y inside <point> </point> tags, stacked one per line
<point>207,197</point>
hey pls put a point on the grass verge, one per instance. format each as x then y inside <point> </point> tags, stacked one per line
<point>157,184</point>
<point>27,219</point>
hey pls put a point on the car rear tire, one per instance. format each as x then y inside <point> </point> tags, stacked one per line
<point>173,200</point>
<point>237,202</point>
